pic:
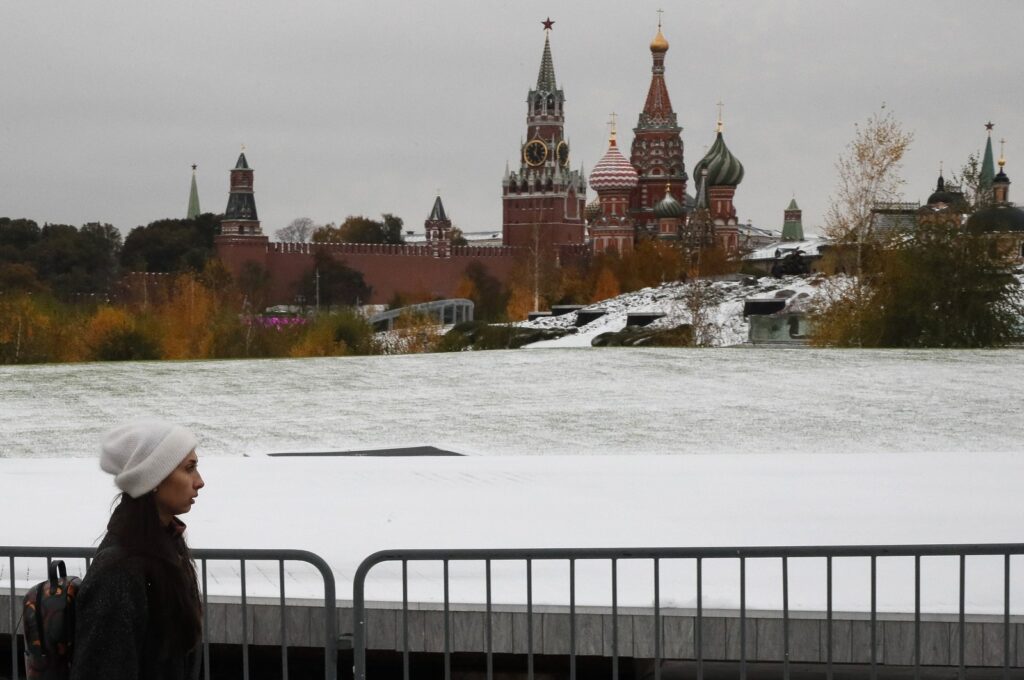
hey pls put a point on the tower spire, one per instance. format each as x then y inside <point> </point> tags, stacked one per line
<point>988,170</point>
<point>546,76</point>
<point>657,150</point>
<point>193,198</point>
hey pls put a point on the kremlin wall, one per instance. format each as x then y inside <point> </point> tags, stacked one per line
<point>543,205</point>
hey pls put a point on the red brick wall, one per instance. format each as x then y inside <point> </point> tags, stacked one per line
<point>388,269</point>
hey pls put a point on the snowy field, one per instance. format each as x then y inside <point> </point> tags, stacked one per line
<point>537,402</point>
<point>568,448</point>
<point>347,508</point>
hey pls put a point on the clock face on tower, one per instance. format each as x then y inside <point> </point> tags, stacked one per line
<point>535,153</point>
<point>562,154</point>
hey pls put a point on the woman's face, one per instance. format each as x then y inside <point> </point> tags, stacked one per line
<point>176,494</point>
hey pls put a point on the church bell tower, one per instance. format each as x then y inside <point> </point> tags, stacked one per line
<point>542,202</point>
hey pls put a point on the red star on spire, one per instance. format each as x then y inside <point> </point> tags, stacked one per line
<point>548,23</point>
<point>989,125</point>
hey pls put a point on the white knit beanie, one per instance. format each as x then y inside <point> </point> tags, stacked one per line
<point>141,453</point>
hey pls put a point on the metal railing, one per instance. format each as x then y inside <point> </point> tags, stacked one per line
<point>613,555</point>
<point>203,556</point>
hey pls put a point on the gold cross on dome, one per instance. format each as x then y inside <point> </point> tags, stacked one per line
<point>720,105</point>
<point>660,12</point>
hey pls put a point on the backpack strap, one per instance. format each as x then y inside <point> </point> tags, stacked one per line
<point>41,632</point>
<point>57,570</point>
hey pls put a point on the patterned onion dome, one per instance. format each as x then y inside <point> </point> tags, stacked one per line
<point>724,169</point>
<point>668,207</point>
<point>613,171</point>
<point>592,211</point>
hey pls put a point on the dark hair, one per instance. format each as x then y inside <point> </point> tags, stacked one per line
<point>172,592</point>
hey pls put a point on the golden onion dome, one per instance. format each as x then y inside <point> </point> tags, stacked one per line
<point>659,44</point>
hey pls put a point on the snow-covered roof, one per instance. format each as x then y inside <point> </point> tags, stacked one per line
<point>772,251</point>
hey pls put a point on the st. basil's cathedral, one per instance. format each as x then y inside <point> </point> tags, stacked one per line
<point>643,197</point>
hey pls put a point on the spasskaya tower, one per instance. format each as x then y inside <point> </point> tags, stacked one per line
<point>542,202</point>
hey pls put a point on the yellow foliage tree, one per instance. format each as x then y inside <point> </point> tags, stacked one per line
<point>606,286</point>
<point>24,332</point>
<point>520,302</point>
<point>185,320</point>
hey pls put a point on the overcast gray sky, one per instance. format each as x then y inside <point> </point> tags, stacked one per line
<point>363,108</point>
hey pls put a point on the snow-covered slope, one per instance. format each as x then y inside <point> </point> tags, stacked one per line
<point>724,309</point>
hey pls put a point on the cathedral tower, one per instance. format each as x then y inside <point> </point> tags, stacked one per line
<point>657,152</point>
<point>543,202</point>
<point>240,215</point>
<point>720,173</point>
<point>614,180</point>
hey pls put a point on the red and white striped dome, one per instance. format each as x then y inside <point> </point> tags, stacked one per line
<point>613,171</point>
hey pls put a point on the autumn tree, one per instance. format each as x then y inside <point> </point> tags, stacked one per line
<point>20,278</point>
<point>534,282</point>
<point>254,286</point>
<point>943,286</point>
<point>340,333</point>
<point>38,329</point>
<point>867,174</point>
<point>700,301</point>
<point>657,262</point>
<point>16,237</point>
<point>185,319</point>
<point>298,230</point>
<point>606,286</point>
<point>171,245</point>
<point>360,229</point>
<point>333,283</point>
<point>968,179</point>
<point>114,334</point>
<point>489,297</point>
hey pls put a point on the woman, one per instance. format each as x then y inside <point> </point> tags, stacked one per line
<point>138,613</point>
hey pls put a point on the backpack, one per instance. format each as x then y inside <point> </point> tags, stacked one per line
<point>48,613</point>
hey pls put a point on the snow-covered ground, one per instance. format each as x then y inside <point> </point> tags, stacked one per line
<point>725,315</point>
<point>540,402</point>
<point>561,448</point>
<point>346,508</point>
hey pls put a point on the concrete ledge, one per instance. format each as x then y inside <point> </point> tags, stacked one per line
<point>808,632</point>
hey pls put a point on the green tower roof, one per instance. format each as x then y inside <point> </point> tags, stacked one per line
<point>793,226</point>
<point>546,76</point>
<point>988,166</point>
<point>193,198</point>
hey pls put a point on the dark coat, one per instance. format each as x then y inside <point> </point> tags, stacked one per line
<point>113,625</point>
